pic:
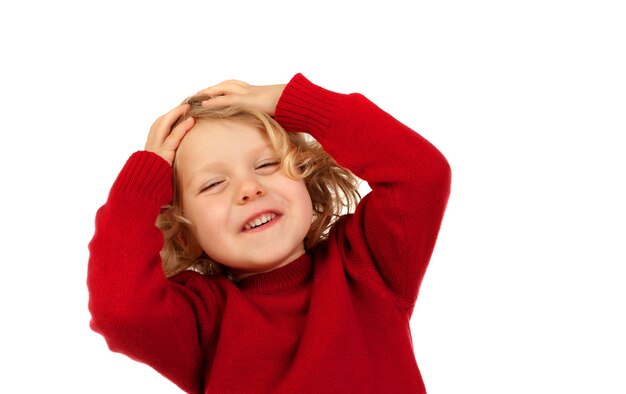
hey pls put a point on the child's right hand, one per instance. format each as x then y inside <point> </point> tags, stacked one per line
<point>233,92</point>
<point>164,141</point>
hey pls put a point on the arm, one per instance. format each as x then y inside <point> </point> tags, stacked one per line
<point>137,310</point>
<point>398,222</point>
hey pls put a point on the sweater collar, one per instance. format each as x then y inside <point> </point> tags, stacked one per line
<point>292,275</point>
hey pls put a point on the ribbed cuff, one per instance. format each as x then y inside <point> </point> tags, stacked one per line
<point>306,107</point>
<point>145,175</point>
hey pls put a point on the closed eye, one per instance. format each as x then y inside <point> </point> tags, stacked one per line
<point>264,165</point>
<point>210,186</point>
<point>269,164</point>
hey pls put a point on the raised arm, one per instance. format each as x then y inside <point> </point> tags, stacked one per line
<point>398,222</point>
<point>133,306</point>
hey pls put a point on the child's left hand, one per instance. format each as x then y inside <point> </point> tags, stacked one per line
<point>232,92</point>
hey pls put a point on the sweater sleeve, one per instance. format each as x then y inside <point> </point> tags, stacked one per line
<point>137,310</point>
<point>395,227</point>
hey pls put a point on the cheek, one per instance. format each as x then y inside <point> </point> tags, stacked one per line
<point>208,218</point>
<point>303,199</point>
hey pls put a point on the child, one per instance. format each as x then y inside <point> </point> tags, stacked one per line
<point>259,296</point>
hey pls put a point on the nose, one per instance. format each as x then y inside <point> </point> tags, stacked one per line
<point>250,190</point>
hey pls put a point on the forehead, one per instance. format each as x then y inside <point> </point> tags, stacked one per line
<point>217,134</point>
<point>219,140</point>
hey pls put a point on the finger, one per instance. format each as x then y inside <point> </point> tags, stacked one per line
<point>172,116</point>
<point>168,149</point>
<point>219,102</point>
<point>162,127</point>
<point>232,83</point>
<point>173,140</point>
<point>225,88</point>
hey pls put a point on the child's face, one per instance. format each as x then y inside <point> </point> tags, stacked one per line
<point>230,181</point>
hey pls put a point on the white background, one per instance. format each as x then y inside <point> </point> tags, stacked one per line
<point>527,100</point>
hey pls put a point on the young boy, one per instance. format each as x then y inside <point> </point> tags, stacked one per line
<point>265,290</point>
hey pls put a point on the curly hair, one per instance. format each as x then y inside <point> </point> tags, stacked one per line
<point>333,189</point>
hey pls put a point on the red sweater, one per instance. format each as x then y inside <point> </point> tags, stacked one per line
<point>336,320</point>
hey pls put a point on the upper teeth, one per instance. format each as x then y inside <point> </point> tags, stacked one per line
<point>266,217</point>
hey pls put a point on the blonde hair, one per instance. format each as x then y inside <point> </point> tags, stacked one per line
<point>333,189</point>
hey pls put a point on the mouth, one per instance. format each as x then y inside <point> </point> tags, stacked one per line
<point>260,221</point>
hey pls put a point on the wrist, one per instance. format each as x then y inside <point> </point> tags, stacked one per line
<point>276,93</point>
